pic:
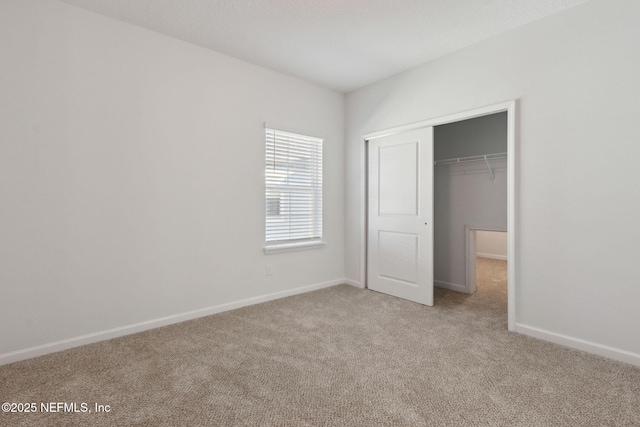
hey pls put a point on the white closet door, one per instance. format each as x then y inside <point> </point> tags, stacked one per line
<point>400,234</point>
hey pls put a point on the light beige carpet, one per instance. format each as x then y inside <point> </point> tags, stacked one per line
<point>341,356</point>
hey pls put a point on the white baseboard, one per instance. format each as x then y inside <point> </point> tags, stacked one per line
<point>451,286</point>
<point>354,283</point>
<point>40,350</point>
<point>491,256</point>
<point>579,344</point>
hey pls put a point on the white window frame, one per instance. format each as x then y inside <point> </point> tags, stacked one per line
<point>293,191</point>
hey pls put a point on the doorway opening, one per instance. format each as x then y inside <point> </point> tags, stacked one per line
<point>508,159</point>
<point>486,257</point>
<point>470,187</point>
<point>490,272</point>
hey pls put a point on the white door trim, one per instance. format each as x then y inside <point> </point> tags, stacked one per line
<point>510,107</point>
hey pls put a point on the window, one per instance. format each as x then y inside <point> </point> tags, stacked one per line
<point>293,191</point>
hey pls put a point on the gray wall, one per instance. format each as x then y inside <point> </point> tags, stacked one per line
<point>481,135</point>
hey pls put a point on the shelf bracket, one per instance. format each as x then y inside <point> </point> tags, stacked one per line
<point>493,178</point>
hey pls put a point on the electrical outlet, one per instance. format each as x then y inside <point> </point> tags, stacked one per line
<point>269,269</point>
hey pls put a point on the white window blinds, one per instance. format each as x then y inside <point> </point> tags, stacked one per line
<point>293,188</point>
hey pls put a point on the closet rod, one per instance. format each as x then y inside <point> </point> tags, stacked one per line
<point>483,157</point>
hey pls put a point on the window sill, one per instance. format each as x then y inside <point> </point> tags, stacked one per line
<point>293,247</point>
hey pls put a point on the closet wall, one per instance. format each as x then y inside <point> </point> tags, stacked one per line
<point>464,194</point>
<point>491,244</point>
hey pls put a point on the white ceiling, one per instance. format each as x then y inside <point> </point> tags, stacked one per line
<point>340,44</point>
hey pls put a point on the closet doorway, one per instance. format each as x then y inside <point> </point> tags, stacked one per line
<point>470,195</point>
<point>492,171</point>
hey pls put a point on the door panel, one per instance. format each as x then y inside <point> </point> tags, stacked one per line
<point>400,235</point>
<point>398,179</point>
<point>398,256</point>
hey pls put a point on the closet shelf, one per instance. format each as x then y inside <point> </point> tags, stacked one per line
<point>483,157</point>
<point>480,158</point>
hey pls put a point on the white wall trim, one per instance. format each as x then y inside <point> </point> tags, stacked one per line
<point>354,283</point>
<point>277,249</point>
<point>491,256</point>
<point>276,126</point>
<point>512,209</point>
<point>579,344</point>
<point>451,286</point>
<point>40,350</point>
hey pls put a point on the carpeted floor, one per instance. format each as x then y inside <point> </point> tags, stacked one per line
<point>341,356</point>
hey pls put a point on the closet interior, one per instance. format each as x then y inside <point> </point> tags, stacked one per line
<point>470,197</point>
